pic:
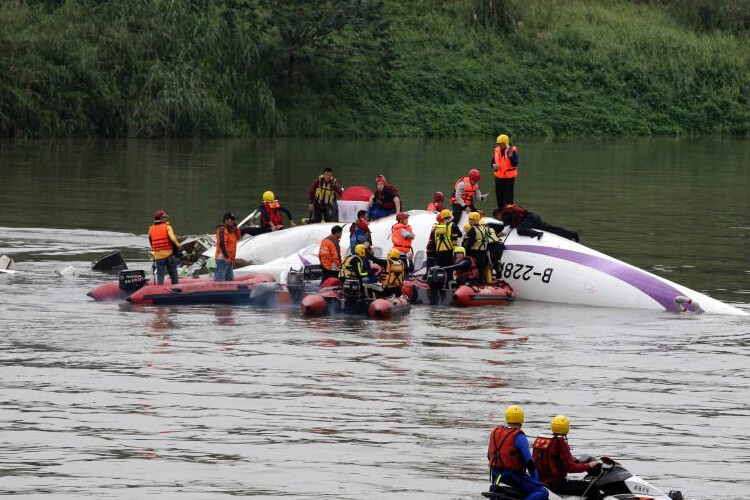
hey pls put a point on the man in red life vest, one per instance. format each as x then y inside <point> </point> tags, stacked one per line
<point>322,197</point>
<point>165,247</point>
<point>510,458</point>
<point>465,270</point>
<point>465,194</point>
<point>504,164</point>
<point>436,205</point>
<point>526,222</point>
<point>554,461</point>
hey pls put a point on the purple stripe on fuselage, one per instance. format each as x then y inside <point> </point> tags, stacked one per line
<point>652,286</point>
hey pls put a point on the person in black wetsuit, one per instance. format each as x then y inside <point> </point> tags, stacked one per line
<point>526,222</point>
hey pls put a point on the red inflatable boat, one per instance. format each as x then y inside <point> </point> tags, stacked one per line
<point>495,293</point>
<point>131,282</point>
<point>205,292</point>
<point>348,300</point>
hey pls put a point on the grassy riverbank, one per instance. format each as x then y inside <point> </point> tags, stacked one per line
<point>153,68</point>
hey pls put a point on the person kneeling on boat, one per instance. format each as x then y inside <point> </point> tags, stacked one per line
<point>392,275</point>
<point>465,271</point>
<point>510,458</point>
<point>443,239</point>
<point>271,218</point>
<point>329,254</point>
<point>165,247</point>
<point>526,222</point>
<point>554,461</point>
<point>357,266</point>
<point>227,236</point>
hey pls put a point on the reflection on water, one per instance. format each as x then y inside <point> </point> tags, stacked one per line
<point>117,401</point>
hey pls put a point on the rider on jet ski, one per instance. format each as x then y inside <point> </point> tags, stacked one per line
<point>510,458</point>
<point>554,461</point>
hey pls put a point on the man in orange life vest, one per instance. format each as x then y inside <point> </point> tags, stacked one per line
<point>165,247</point>
<point>504,163</point>
<point>329,254</point>
<point>554,461</point>
<point>227,236</point>
<point>322,197</point>
<point>402,236</point>
<point>526,222</point>
<point>510,458</point>
<point>465,193</point>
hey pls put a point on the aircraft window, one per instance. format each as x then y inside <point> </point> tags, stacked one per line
<point>377,251</point>
<point>419,260</point>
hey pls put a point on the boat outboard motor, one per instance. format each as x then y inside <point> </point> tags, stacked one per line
<point>131,281</point>
<point>436,277</point>
<point>111,263</point>
<point>351,293</point>
<point>295,283</point>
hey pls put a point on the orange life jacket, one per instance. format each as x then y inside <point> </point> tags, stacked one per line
<point>158,233</point>
<point>471,274</point>
<point>273,209</point>
<point>517,214</point>
<point>502,452</point>
<point>330,253</point>
<point>505,170</point>
<point>229,237</point>
<point>469,193</point>
<point>546,453</point>
<point>434,207</point>
<point>402,244</point>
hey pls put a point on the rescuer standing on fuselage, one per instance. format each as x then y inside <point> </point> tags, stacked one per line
<point>505,166</point>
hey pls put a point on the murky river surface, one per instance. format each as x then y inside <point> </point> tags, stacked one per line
<point>114,401</point>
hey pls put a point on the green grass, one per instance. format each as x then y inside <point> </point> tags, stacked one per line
<point>167,68</point>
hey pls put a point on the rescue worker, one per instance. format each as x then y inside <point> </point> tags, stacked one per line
<point>392,274</point>
<point>329,254</point>
<point>526,222</point>
<point>436,205</point>
<point>504,163</point>
<point>476,242</point>
<point>465,193</point>
<point>465,271</point>
<point>359,232</point>
<point>322,197</point>
<point>165,248</point>
<point>443,239</point>
<point>402,237</point>
<point>495,249</point>
<point>227,236</point>
<point>554,461</point>
<point>270,216</point>
<point>510,458</point>
<point>357,266</point>
<point>385,201</point>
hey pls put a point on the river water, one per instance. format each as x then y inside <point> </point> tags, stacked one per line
<point>115,401</point>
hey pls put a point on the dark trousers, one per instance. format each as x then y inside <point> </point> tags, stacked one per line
<point>532,221</point>
<point>458,210</point>
<point>255,231</point>
<point>481,257</point>
<point>575,487</point>
<point>496,253</point>
<point>327,273</point>
<point>169,265</point>
<point>504,191</point>
<point>327,213</point>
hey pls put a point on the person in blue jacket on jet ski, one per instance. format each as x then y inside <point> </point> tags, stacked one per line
<point>510,458</point>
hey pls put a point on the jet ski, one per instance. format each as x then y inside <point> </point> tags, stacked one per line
<point>613,480</point>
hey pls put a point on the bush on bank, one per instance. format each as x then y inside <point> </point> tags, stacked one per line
<point>169,68</point>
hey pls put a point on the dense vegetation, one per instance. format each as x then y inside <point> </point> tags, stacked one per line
<point>153,68</point>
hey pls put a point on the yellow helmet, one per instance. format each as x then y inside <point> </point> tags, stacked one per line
<point>514,414</point>
<point>502,138</point>
<point>393,253</point>
<point>467,226</point>
<point>560,425</point>
<point>360,250</point>
<point>268,196</point>
<point>459,250</point>
<point>446,214</point>
<point>475,216</point>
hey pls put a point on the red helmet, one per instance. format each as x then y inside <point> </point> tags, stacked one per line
<point>160,214</point>
<point>380,178</point>
<point>401,217</point>
<point>475,175</point>
<point>438,197</point>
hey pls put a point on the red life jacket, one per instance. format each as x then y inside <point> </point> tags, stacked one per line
<point>399,241</point>
<point>517,214</point>
<point>158,233</point>
<point>505,169</point>
<point>471,274</point>
<point>469,193</point>
<point>547,460</point>
<point>273,209</point>
<point>434,206</point>
<point>502,452</point>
